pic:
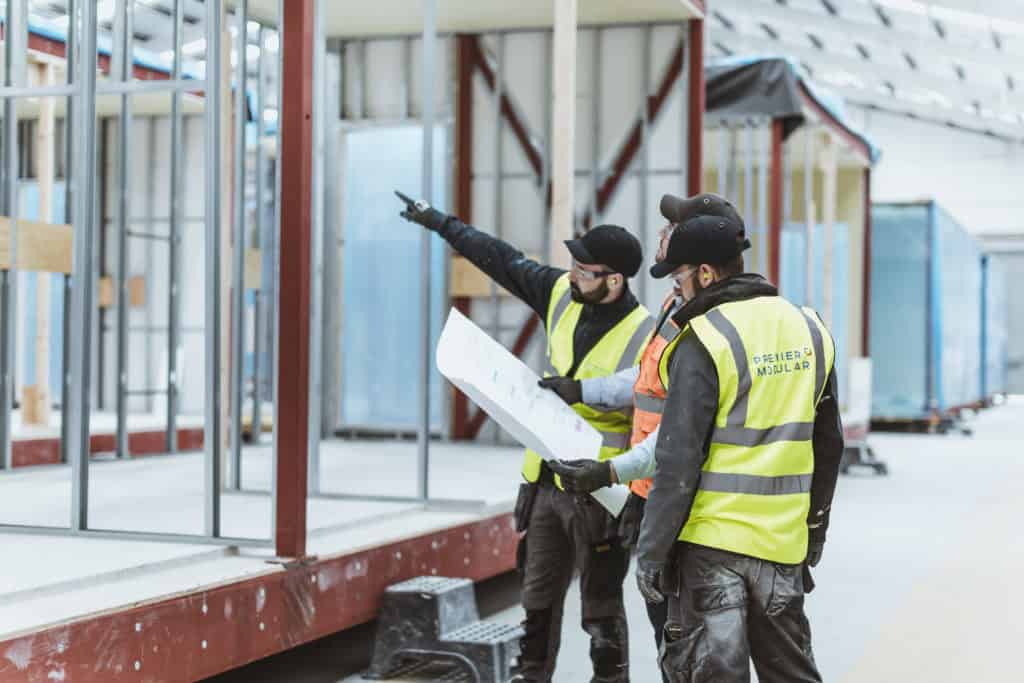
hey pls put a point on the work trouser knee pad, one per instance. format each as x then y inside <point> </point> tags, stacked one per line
<point>536,640</point>
<point>609,650</point>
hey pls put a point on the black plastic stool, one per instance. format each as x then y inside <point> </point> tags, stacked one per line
<point>432,618</point>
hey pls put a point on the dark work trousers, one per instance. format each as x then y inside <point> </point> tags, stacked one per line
<point>733,608</point>
<point>629,529</point>
<point>564,533</point>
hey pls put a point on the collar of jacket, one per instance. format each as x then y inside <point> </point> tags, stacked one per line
<point>736,288</point>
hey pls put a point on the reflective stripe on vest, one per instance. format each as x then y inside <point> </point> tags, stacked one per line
<point>755,484</point>
<point>616,350</point>
<point>646,402</point>
<point>754,493</point>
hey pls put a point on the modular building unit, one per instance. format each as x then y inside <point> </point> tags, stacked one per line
<point>781,151</point>
<point>1012,263</point>
<point>994,327</point>
<point>925,313</point>
<point>494,155</point>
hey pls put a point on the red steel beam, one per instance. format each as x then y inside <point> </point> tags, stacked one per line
<point>697,105</point>
<point>859,146</point>
<point>866,269</point>
<point>509,113</point>
<point>58,48</point>
<point>46,450</point>
<point>465,61</point>
<point>775,192</point>
<point>627,153</point>
<point>629,150</point>
<point>206,632</point>
<point>292,418</point>
<point>631,147</point>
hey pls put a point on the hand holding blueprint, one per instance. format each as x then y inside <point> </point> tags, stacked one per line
<point>507,390</point>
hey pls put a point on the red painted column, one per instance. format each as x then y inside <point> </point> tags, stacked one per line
<point>296,169</point>
<point>465,60</point>
<point>866,303</point>
<point>775,207</point>
<point>695,126</point>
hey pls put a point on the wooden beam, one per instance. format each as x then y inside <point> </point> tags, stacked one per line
<point>830,169</point>
<point>775,208</point>
<point>105,295</point>
<point>563,132</point>
<point>865,319</point>
<point>42,247</point>
<point>253,276</point>
<point>37,394</point>
<point>291,417</point>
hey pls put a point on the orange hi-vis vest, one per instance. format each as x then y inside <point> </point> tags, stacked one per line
<point>648,392</point>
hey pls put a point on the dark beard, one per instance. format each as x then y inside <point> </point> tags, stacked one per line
<point>594,297</point>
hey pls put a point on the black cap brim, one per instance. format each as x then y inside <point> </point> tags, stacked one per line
<point>579,252</point>
<point>663,269</point>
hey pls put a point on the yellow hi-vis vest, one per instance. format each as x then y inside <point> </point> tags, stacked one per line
<point>772,359</point>
<point>620,348</point>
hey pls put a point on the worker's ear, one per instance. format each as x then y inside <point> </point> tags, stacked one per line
<point>707,274</point>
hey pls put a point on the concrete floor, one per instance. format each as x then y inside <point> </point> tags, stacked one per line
<point>920,579</point>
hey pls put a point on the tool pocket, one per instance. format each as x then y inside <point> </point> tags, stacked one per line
<point>682,652</point>
<point>594,524</point>
<point>787,589</point>
<point>524,505</point>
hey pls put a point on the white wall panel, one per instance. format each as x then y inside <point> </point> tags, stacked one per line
<point>975,177</point>
<point>385,64</point>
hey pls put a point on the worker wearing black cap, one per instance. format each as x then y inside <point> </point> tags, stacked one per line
<point>595,326</point>
<point>744,467</point>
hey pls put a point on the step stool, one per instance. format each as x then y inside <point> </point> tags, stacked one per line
<point>436,618</point>
<point>860,454</point>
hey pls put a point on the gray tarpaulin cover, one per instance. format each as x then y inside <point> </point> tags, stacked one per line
<point>768,87</point>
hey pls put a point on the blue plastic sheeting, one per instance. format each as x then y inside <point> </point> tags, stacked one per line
<point>925,312</point>
<point>381,314</point>
<point>28,207</point>
<point>995,327</point>
<point>793,281</point>
<point>957,313</point>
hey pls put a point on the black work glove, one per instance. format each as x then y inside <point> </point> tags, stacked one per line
<point>582,476</point>
<point>422,213</point>
<point>648,580</point>
<point>814,551</point>
<point>568,389</point>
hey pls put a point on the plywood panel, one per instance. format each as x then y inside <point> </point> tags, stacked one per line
<point>467,280</point>
<point>42,247</point>
<point>253,277</point>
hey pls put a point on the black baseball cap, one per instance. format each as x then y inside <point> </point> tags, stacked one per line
<point>608,245</point>
<point>679,210</point>
<point>703,237</point>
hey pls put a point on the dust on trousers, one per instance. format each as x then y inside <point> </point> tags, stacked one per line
<point>563,533</point>
<point>726,609</point>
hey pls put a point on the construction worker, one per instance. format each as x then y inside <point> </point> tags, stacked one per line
<point>639,388</point>
<point>745,467</point>
<point>595,326</point>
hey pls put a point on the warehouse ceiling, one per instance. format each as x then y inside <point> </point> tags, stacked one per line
<point>957,62</point>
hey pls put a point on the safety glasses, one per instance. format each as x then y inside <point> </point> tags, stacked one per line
<point>589,274</point>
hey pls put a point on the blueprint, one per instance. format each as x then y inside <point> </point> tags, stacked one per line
<point>506,389</point>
